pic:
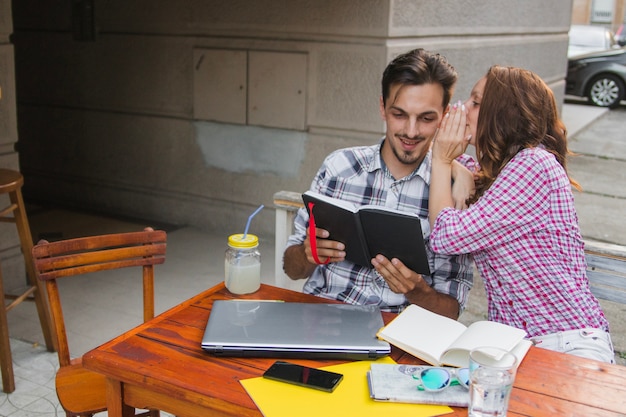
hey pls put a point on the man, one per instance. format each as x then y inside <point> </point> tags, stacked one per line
<point>416,90</point>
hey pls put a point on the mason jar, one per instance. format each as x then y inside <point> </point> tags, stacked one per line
<point>242,264</point>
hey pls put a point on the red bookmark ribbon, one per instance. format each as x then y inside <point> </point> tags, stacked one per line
<point>313,237</point>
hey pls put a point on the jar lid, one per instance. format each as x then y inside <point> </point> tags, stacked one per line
<point>237,241</point>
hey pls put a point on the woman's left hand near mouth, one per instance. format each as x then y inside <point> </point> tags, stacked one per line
<point>451,139</point>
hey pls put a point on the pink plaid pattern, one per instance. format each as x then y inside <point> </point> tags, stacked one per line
<point>523,234</point>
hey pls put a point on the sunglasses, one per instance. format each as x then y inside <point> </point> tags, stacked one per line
<point>438,379</point>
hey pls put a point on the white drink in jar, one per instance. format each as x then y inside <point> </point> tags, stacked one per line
<point>242,264</point>
<point>242,278</point>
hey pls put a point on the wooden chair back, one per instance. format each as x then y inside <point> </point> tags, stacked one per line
<point>606,270</point>
<point>287,204</point>
<point>81,392</point>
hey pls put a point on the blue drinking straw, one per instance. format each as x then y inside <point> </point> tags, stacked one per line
<point>245,232</point>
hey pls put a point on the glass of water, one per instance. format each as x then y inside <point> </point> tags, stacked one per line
<point>492,372</point>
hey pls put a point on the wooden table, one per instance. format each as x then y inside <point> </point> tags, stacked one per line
<point>160,365</point>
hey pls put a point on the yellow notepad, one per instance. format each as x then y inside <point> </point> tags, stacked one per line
<point>351,398</point>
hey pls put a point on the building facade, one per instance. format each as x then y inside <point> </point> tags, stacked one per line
<point>194,112</point>
<point>609,13</point>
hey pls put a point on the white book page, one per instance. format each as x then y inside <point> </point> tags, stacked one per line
<point>483,333</point>
<point>334,201</point>
<point>521,349</point>
<point>460,358</point>
<point>355,207</point>
<point>419,330</point>
<point>388,209</point>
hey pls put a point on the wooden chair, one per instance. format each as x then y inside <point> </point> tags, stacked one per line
<point>287,204</point>
<point>606,270</point>
<point>11,183</point>
<point>82,392</point>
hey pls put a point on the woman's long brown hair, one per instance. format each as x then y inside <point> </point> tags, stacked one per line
<point>518,110</point>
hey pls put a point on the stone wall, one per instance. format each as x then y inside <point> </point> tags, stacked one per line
<point>12,264</point>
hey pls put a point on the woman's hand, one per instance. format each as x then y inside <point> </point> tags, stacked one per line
<point>452,138</point>
<point>450,142</point>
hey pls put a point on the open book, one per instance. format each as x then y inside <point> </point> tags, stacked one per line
<point>369,230</point>
<point>440,340</point>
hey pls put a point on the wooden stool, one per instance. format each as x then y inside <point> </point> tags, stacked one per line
<point>11,182</point>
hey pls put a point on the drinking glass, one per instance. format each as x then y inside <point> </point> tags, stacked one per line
<point>492,372</point>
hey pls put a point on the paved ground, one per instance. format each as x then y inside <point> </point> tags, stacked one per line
<point>598,137</point>
<point>600,167</point>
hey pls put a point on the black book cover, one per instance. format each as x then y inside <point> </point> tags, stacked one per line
<point>369,230</point>
<point>343,224</point>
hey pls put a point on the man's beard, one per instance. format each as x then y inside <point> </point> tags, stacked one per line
<point>408,157</point>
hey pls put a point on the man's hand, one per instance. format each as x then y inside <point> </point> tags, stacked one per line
<point>327,250</point>
<point>400,279</point>
<point>403,280</point>
<point>298,261</point>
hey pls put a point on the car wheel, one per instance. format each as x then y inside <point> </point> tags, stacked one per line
<point>606,90</point>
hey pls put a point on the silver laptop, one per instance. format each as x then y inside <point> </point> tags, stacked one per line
<point>294,330</point>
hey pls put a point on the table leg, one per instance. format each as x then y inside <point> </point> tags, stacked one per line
<point>115,400</point>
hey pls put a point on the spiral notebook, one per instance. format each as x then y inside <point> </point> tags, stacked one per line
<point>294,330</point>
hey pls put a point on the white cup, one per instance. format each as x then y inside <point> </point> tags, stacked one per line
<point>492,372</point>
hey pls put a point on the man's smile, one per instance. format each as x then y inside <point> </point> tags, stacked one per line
<point>411,142</point>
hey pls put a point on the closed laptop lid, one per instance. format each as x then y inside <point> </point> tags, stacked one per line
<point>289,329</point>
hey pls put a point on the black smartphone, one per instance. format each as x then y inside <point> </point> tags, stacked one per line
<point>303,376</point>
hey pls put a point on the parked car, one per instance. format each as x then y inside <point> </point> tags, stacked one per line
<point>599,76</point>
<point>586,38</point>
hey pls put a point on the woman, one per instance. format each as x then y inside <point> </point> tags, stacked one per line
<point>521,225</point>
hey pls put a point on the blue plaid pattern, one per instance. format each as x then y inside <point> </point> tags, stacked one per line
<point>359,175</point>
